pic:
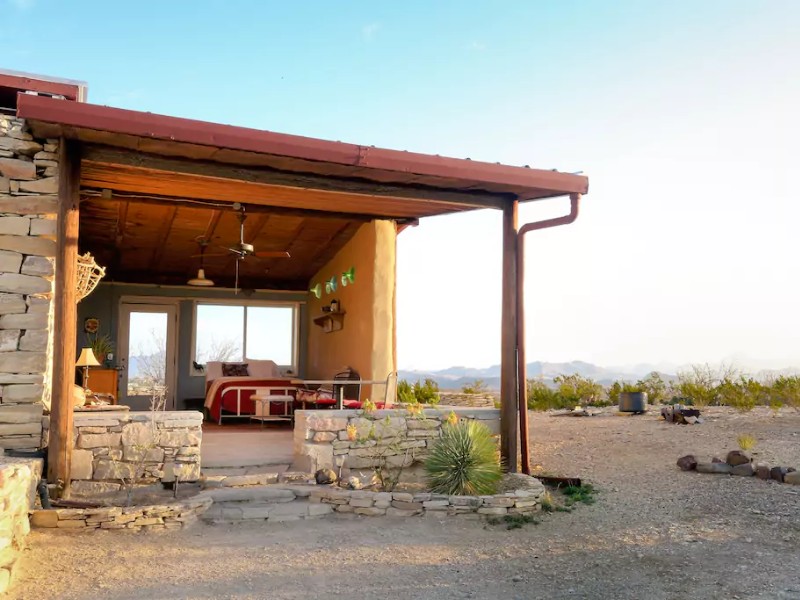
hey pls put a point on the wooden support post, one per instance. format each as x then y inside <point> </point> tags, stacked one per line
<point>509,415</point>
<point>65,317</point>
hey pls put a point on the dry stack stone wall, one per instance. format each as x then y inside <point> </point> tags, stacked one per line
<point>352,439</point>
<point>28,206</point>
<point>112,447</point>
<point>18,479</point>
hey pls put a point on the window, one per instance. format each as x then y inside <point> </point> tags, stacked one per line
<point>235,332</point>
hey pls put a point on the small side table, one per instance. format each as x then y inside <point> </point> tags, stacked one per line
<point>263,404</point>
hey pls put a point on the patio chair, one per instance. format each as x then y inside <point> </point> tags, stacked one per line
<point>389,394</point>
<point>328,396</point>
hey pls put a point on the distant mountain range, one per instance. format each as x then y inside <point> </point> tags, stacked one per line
<point>456,377</point>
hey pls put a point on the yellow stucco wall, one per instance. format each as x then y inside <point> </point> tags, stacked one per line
<point>366,342</point>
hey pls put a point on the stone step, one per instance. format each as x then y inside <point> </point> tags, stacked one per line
<point>222,478</point>
<point>271,512</point>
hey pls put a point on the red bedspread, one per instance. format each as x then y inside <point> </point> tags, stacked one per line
<point>233,395</point>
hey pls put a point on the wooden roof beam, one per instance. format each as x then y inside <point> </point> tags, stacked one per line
<point>163,236</point>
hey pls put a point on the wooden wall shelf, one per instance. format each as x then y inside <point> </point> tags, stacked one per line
<point>330,321</point>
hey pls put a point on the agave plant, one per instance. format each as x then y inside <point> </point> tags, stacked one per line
<point>464,461</point>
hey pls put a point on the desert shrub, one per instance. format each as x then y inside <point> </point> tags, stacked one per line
<point>464,461</point>
<point>541,397</point>
<point>703,383</point>
<point>426,392</point>
<point>476,387</point>
<point>785,391</point>
<point>405,392</point>
<point>746,442</point>
<point>744,393</point>
<point>654,386</point>
<point>576,389</point>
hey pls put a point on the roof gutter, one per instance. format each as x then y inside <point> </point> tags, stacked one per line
<point>522,375</point>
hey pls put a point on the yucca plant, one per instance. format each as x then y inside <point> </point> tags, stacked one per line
<point>464,461</point>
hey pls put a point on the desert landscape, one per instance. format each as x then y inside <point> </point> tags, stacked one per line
<point>653,532</point>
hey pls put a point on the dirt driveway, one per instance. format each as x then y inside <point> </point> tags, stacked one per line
<point>654,532</point>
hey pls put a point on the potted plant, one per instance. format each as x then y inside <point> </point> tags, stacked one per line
<point>102,346</point>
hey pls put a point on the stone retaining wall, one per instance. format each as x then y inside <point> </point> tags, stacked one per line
<point>353,439</point>
<point>18,479</point>
<point>28,206</point>
<point>133,518</point>
<point>402,504</point>
<point>148,446</point>
<point>471,400</point>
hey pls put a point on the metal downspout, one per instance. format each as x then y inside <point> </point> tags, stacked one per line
<point>522,375</point>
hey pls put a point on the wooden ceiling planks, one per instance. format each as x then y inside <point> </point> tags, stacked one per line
<point>157,243</point>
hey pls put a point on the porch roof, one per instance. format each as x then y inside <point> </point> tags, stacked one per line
<point>152,185</point>
<point>357,179</point>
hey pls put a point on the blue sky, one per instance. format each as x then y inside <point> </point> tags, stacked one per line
<point>683,114</point>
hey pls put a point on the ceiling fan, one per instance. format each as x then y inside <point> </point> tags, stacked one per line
<point>240,250</point>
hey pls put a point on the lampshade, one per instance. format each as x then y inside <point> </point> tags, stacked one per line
<point>87,359</point>
<point>200,280</point>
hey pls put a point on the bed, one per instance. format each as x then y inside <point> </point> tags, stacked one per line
<point>229,387</point>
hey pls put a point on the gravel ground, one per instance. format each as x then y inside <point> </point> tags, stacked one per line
<point>655,532</point>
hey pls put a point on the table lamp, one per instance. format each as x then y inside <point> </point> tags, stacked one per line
<point>86,359</point>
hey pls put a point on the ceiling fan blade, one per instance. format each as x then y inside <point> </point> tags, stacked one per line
<point>272,254</point>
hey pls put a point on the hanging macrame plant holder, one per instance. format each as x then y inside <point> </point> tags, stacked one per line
<point>88,276</point>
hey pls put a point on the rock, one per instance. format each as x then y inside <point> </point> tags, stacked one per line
<point>82,464</point>
<point>719,468</point>
<point>38,246</point>
<point>29,205</point>
<point>354,483</point>
<point>716,460</point>
<point>778,473</point>
<point>737,457</point>
<point>38,265</point>
<point>27,393</point>
<point>15,225</point>
<point>690,420</point>
<point>23,362</point>
<point>24,147</point>
<point>14,168</point>
<point>793,477</point>
<point>33,340</point>
<point>21,413</point>
<point>10,262</point>
<point>12,304</point>
<point>763,471</point>
<point>48,185</point>
<point>9,338</point>
<point>325,476</point>
<point>687,463</point>
<point>743,470</point>
<point>26,321</point>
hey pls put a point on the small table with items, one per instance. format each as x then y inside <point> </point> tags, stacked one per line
<point>264,399</point>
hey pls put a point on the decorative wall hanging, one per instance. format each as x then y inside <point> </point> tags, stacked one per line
<point>349,277</point>
<point>91,325</point>
<point>317,291</point>
<point>88,275</point>
<point>331,285</point>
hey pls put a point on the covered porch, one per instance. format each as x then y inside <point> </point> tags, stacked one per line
<point>138,190</point>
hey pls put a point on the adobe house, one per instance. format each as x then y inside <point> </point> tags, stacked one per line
<point>154,198</point>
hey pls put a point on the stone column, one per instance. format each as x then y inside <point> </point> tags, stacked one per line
<point>28,205</point>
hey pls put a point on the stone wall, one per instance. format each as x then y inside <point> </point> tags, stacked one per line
<point>148,446</point>
<point>28,206</point>
<point>352,439</point>
<point>132,518</point>
<point>18,479</point>
<point>485,400</point>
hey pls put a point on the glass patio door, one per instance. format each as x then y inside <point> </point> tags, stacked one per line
<point>147,353</point>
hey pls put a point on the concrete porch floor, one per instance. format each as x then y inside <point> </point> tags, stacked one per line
<point>246,448</point>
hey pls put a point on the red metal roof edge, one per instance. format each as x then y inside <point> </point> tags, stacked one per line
<point>23,81</point>
<point>176,129</point>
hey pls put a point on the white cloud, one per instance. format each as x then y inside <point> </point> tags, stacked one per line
<point>369,30</point>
